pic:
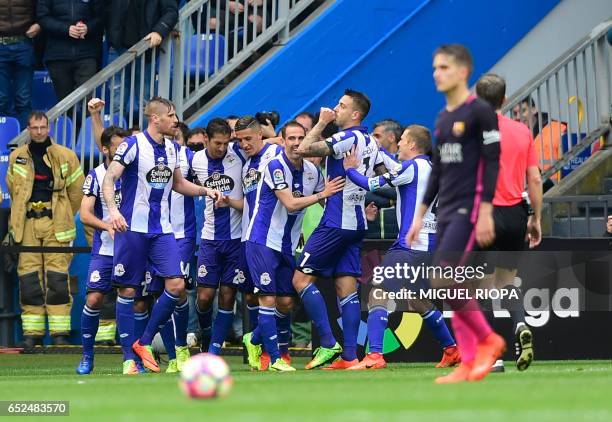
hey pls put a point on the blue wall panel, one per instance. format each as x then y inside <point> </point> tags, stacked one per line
<point>382,47</point>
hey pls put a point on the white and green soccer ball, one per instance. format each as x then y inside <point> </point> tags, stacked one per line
<point>206,376</point>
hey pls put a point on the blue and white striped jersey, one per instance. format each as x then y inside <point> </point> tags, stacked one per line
<point>345,209</point>
<point>251,175</point>
<point>182,208</point>
<point>410,182</point>
<point>102,242</point>
<point>146,182</point>
<point>225,175</point>
<point>272,224</point>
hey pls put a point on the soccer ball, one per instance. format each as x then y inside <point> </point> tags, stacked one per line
<point>206,376</point>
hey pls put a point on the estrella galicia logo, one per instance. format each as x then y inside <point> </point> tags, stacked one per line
<point>159,176</point>
<point>220,182</point>
<point>250,180</point>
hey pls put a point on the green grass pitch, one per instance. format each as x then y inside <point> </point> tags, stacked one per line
<point>548,391</point>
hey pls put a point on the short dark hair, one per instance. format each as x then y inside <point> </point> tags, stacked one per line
<point>391,125</point>
<point>459,53</point>
<point>135,128</point>
<point>421,137</point>
<point>109,132</point>
<point>196,131</point>
<point>38,115</point>
<point>232,117</point>
<point>184,130</point>
<point>246,122</point>
<point>360,102</point>
<point>492,88</point>
<point>291,123</point>
<point>307,114</point>
<point>218,126</point>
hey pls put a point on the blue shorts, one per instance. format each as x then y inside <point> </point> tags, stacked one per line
<point>249,286</point>
<point>134,252</point>
<point>154,283</point>
<point>272,271</point>
<point>332,252</point>
<point>100,274</point>
<point>220,262</point>
<point>392,281</point>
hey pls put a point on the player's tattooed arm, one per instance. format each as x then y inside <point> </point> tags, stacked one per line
<point>113,173</point>
<point>312,145</point>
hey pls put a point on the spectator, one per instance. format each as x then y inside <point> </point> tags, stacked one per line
<point>231,120</point>
<point>18,27</point>
<point>306,119</point>
<point>388,133</point>
<point>44,180</point>
<point>182,134</point>
<point>527,113</point>
<point>134,130</point>
<point>197,139</point>
<point>128,22</point>
<point>608,232</point>
<point>74,31</point>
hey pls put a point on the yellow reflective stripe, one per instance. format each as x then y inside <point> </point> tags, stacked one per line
<point>106,332</point>
<point>33,322</point>
<point>20,171</point>
<point>74,176</point>
<point>66,236</point>
<point>59,322</point>
<point>30,317</point>
<point>10,176</point>
<point>64,167</point>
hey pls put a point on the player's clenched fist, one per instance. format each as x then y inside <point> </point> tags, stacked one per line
<point>327,115</point>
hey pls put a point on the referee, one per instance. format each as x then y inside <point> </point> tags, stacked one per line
<point>514,221</point>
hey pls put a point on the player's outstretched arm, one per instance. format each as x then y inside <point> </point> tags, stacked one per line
<point>113,173</point>
<point>187,188</point>
<point>295,204</point>
<point>88,217</point>
<point>311,145</point>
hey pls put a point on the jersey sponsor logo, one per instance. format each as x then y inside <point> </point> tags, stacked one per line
<point>356,197</point>
<point>21,160</point>
<point>95,276</point>
<point>265,279</point>
<point>458,128</point>
<point>239,278</point>
<point>451,152</point>
<point>87,183</point>
<point>220,182</point>
<point>250,180</point>
<point>159,176</point>
<point>119,270</point>
<point>309,176</point>
<point>202,271</point>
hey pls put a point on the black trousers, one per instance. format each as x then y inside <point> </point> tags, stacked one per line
<point>68,75</point>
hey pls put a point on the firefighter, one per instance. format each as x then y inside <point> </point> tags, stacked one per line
<point>44,180</point>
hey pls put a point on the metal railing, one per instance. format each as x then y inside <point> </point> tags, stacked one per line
<point>208,43</point>
<point>568,105</point>
<point>577,212</point>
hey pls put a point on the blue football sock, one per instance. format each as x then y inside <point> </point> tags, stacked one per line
<point>351,318</point>
<point>223,323</point>
<point>267,325</point>
<point>205,320</point>
<point>140,322</point>
<point>283,325</point>
<point>435,322</point>
<point>167,336</point>
<point>124,312</point>
<point>90,319</point>
<point>253,316</point>
<point>317,311</point>
<point>161,314</point>
<point>256,337</point>
<point>378,317</point>
<point>181,319</point>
